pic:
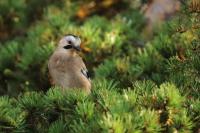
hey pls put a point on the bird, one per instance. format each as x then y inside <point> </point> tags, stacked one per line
<point>66,68</point>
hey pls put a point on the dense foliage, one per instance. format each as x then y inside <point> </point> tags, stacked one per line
<point>141,82</point>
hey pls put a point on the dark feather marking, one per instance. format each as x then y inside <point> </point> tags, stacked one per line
<point>85,73</point>
<point>68,47</point>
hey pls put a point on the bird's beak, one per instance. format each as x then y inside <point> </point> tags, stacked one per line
<point>77,48</point>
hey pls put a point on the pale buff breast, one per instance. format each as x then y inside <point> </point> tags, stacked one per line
<point>65,71</point>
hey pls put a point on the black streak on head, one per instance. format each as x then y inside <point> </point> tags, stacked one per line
<point>68,47</point>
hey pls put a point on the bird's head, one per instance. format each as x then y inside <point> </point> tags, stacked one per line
<point>70,42</point>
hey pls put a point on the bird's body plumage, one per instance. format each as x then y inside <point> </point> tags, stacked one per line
<point>66,70</point>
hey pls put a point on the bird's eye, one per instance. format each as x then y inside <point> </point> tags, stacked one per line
<point>69,42</point>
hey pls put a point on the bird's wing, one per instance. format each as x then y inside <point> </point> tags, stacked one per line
<point>83,69</point>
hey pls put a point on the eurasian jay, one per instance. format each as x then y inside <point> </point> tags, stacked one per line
<point>66,67</point>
